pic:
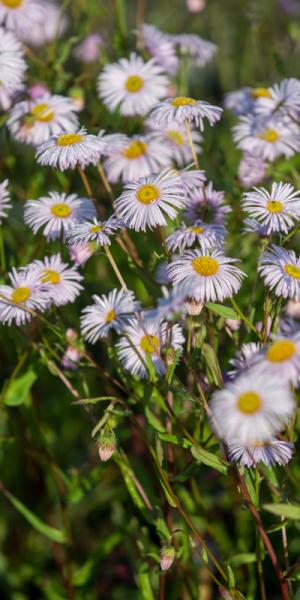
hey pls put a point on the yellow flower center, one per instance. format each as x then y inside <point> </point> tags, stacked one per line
<point>281,350</point>
<point>50,276</point>
<point>134,83</point>
<point>21,294</point>
<point>96,228</point>
<point>205,265</point>
<point>183,101</point>
<point>269,135</point>
<point>196,229</point>
<point>293,271</point>
<point>42,113</point>
<point>249,402</point>
<point>274,206</point>
<point>135,149</point>
<point>260,92</point>
<point>175,136</point>
<point>110,316</point>
<point>12,3</point>
<point>147,193</point>
<point>149,343</point>
<point>68,139</point>
<point>61,210</point>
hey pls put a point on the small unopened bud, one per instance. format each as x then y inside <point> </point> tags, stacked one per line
<point>106,446</point>
<point>167,555</point>
<point>194,307</point>
<point>225,594</point>
<point>169,356</point>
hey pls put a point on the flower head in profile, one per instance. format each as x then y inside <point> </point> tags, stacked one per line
<point>12,63</point>
<point>61,280</point>
<point>282,358</point>
<point>132,85</point>
<point>199,234</point>
<point>57,213</point>
<point>207,204</point>
<point>201,51</point>
<point>252,408</point>
<point>271,453</point>
<point>267,138</point>
<point>252,169</point>
<point>211,276</point>
<point>174,136</point>
<point>277,210</point>
<point>107,313</point>
<point>244,100</point>
<point>70,150</point>
<point>150,339</point>
<point>80,253</point>
<point>192,180</point>
<point>161,48</point>
<point>25,294</point>
<point>94,231</point>
<point>4,200</point>
<point>34,122</point>
<point>246,357</point>
<point>280,270</point>
<point>282,98</point>
<point>144,202</point>
<point>183,109</point>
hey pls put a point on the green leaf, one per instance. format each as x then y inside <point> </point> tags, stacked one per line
<point>212,363</point>
<point>154,420</point>
<point>18,389</point>
<point>209,459</point>
<point>231,579</point>
<point>95,400</point>
<point>223,311</point>
<point>144,583</point>
<point>289,511</point>
<point>243,558</point>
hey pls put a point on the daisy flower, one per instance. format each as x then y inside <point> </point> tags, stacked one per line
<point>201,234</point>
<point>161,47</point>
<point>69,150</point>
<point>107,312</point>
<point>206,203</point>
<point>280,269</point>
<point>94,231</point>
<point>24,294</point>
<point>34,122</point>
<point>50,24</point>
<point>150,339</point>
<point>200,50</point>
<point>211,277</point>
<point>135,157</point>
<point>267,137</point>
<point>8,94</point>
<point>132,85</point>
<point>192,179</point>
<point>144,202</point>
<point>88,50</point>
<point>21,15</point>
<point>57,213</point>
<point>244,101</point>
<point>276,210</point>
<point>175,137</point>
<point>182,109</point>
<point>173,303</point>
<point>283,97</point>
<point>12,63</point>
<point>252,406</point>
<point>282,358</point>
<point>4,199</point>
<point>80,253</point>
<point>246,357</point>
<point>252,169</point>
<point>271,453</point>
<point>61,279</point>
<point>253,226</point>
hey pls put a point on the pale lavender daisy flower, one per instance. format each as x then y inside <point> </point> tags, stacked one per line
<point>245,358</point>
<point>244,101</point>
<point>70,150</point>
<point>183,109</point>
<point>254,405</point>
<point>271,453</point>
<point>49,25</point>
<point>24,295</point>
<point>132,85</point>
<point>161,274</point>
<point>172,304</point>
<point>207,204</point>
<point>192,179</point>
<point>4,200</point>
<point>80,253</point>
<point>268,138</point>
<point>57,213</point>
<point>211,276</point>
<point>277,210</point>
<point>161,47</point>
<point>61,279</point>
<point>280,270</point>
<point>282,358</point>
<point>107,312</point>
<point>34,122</point>
<point>148,338</point>
<point>12,63</point>
<point>8,94</point>
<point>21,15</point>
<point>94,231</point>
<point>174,136</point>
<point>253,226</point>
<point>252,169</point>
<point>284,97</point>
<point>201,51</point>
<point>88,50</point>
<point>204,235</point>
<point>144,202</point>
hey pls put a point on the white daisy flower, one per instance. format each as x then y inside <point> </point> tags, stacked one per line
<point>150,339</point>
<point>21,15</point>
<point>107,312</point>
<point>61,279</point>
<point>34,122</point>
<point>192,179</point>
<point>208,204</point>
<point>271,453</point>
<point>282,358</point>
<point>244,100</point>
<point>267,137</point>
<point>201,234</point>
<point>172,304</point>
<point>94,231</point>
<point>252,169</point>
<point>52,25</point>
<point>211,277</point>
<point>12,63</point>
<point>280,269</point>
<point>183,109</point>
<point>252,406</point>
<point>174,136</point>
<point>277,210</point>
<point>200,50</point>
<point>130,158</point>
<point>161,47</point>
<point>4,200</point>
<point>24,294</point>
<point>57,213</point>
<point>283,97</point>
<point>9,94</point>
<point>245,358</point>
<point>132,85</point>
<point>144,202</point>
<point>69,150</point>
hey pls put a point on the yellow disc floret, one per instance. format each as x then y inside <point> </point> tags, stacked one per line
<point>274,206</point>
<point>134,83</point>
<point>21,294</point>
<point>147,193</point>
<point>281,350</point>
<point>269,135</point>
<point>42,113</point>
<point>205,265</point>
<point>110,316</point>
<point>135,149</point>
<point>50,276</point>
<point>149,343</point>
<point>183,101</point>
<point>175,136</point>
<point>293,271</point>
<point>249,402</point>
<point>69,139</point>
<point>12,3</point>
<point>61,210</point>
<point>260,92</point>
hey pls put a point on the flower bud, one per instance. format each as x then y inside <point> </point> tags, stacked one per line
<point>194,307</point>
<point>107,445</point>
<point>167,555</point>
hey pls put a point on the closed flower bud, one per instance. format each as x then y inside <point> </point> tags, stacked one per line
<point>107,446</point>
<point>194,307</point>
<point>167,555</point>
